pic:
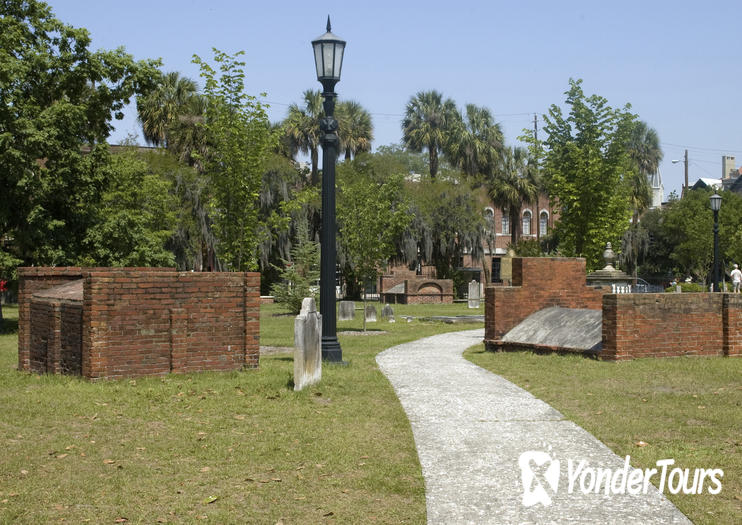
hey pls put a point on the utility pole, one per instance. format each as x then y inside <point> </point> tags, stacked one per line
<point>686,170</point>
<point>535,127</point>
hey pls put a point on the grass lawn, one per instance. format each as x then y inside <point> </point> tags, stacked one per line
<point>687,409</point>
<point>237,447</point>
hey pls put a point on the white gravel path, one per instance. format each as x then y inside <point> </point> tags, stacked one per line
<point>470,428</point>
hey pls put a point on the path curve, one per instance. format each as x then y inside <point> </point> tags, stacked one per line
<point>471,426</point>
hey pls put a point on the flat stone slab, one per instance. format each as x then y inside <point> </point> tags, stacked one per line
<point>471,427</point>
<point>574,328</point>
<point>71,291</point>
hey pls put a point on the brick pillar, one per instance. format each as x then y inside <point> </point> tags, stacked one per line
<point>24,325</point>
<point>610,328</point>
<point>732,325</point>
<point>54,340</point>
<point>252,320</point>
<point>178,340</point>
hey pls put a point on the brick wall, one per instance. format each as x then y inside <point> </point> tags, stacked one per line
<point>538,282</point>
<point>140,321</point>
<point>30,281</point>
<point>668,325</point>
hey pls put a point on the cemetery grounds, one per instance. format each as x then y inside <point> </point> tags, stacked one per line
<point>244,447</point>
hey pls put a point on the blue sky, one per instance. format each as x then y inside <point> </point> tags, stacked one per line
<point>676,62</point>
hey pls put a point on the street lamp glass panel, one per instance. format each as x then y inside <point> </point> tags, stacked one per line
<point>318,61</point>
<point>339,49</point>
<point>328,55</point>
<point>715,202</point>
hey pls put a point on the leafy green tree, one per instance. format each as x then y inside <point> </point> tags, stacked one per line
<point>427,125</point>
<point>372,211</point>
<point>136,217</point>
<point>302,128</point>
<point>514,184</point>
<point>475,143</point>
<point>240,139</point>
<point>688,226</point>
<point>57,101</point>
<point>446,223</point>
<point>355,130</point>
<point>585,165</point>
<point>299,273</point>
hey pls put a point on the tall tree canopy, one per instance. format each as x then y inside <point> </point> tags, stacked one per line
<point>355,130</point>
<point>475,142</point>
<point>302,128</point>
<point>427,125</point>
<point>585,166</point>
<point>241,141</point>
<point>56,97</point>
<point>514,184</point>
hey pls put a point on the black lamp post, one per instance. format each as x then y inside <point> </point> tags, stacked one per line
<point>715,206</point>
<point>328,58</point>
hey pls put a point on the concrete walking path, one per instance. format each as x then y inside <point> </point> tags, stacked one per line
<point>470,428</point>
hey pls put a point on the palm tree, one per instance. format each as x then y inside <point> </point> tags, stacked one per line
<point>515,183</point>
<point>302,127</point>
<point>646,154</point>
<point>475,144</point>
<point>187,136</point>
<point>160,108</point>
<point>427,124</point>
<point>354,128</point>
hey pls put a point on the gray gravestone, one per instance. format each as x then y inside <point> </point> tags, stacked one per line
<point>387,313</point>
<point>346,310</point>
<point>370,313</point>
<point>307,345</point>
<point>474,294</point>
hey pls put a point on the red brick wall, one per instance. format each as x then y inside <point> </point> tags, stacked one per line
<point>147,323</point>
<point>71,338</point>
<point>30,281</point>
<point>668,325</point>
<point>55,336</point>
<point>140,321</point>
<point>538,282</point>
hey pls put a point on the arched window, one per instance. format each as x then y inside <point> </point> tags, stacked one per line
<point>527,222</point>
<point>543,223</point>
<point>505,222</point>
<point>489,219</point>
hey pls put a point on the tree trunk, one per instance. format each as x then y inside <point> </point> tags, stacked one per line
<point>363,291</point>
<point>433,161</point>
<point>514,225</point>
<point>315,160</point>
<point>347,154</point>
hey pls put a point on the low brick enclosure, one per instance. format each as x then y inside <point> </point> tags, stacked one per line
<point>633,325</point>
<point>671,324</point>
<point>538,282</point>
<point>128,322</point>
<point>405,287</point>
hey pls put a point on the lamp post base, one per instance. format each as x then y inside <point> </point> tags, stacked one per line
<point>331,351</point>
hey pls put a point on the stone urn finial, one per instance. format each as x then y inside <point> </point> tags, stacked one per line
<point>608,256</point>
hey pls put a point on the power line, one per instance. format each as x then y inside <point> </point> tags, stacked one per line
<point>699,148</point>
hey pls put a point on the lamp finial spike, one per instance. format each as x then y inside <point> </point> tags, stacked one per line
<point>328,24</point>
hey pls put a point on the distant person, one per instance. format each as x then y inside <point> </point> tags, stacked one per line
<point>736,278</point>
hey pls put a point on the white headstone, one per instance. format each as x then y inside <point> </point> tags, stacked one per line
<point>474,294</point>
<point>346,310</point>
<point>370,313</point>
<point>387,313</point>
<point>307,345</point>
